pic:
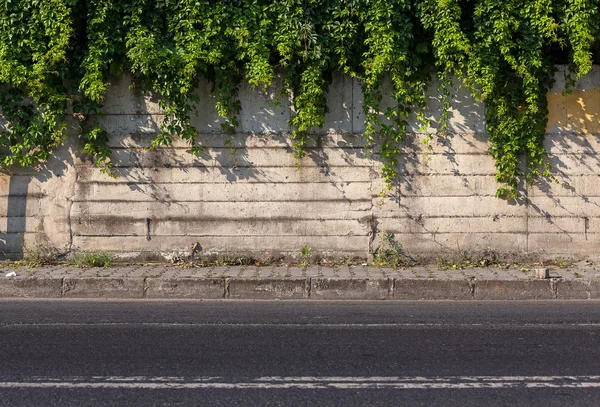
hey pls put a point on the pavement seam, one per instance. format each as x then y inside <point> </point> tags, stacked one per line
<point>554,287</point>
<point>472,287</point>
<point>62,287</point>
<point>145,287</point>
<point>226,282</point>
<point>588,289</point>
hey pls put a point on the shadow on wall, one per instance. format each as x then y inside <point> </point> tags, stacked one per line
<point>24,232</point>
<point>572,201</point>
<point>247,189</point>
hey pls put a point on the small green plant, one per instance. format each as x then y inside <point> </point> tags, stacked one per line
<point>91,259</point>
<point>389,253</point>
<point>306,255</point>
<point>37,257</point>
<point>443,264</point>
<point>487,259</point>
<point>223,260</point>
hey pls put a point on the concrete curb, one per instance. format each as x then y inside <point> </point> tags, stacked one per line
<point>294,288</point>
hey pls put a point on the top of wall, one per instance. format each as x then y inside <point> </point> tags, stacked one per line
<point>267,112</point>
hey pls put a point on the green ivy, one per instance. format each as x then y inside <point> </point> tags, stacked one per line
<point>60,53</point>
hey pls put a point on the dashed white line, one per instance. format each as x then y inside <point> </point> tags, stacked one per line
<point>309,382</point>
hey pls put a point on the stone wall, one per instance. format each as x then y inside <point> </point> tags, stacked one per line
<point>253,199</point>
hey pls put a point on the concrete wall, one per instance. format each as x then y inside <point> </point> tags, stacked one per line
<point>254,199</point>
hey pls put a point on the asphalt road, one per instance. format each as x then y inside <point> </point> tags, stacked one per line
<point>227,353</point>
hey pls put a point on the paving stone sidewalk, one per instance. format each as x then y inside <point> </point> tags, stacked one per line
<point>276,282</point>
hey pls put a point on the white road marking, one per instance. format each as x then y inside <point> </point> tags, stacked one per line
<point>307,324</point>
<point>309,382</point>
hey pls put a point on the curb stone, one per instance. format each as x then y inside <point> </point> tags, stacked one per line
<point>30,287</point>
<point>308,284</point>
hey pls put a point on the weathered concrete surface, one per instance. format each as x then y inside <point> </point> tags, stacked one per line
<point>350,289</point>
<point>102,287</point>
<point>267,288</point>
<point>31,287</point>
<point>254,199</point>
<point>514,290</point>
<point>184,288</point>
<point>427,289</point>
<point>289,283</point>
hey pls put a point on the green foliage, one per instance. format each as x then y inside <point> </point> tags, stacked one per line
<point>91,259</point>
<point>60,53</point>
<point>502,51</point>
<point>389,253</point>
<point>306,255</point>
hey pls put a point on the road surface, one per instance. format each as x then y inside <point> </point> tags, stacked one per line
<point>278,353</point>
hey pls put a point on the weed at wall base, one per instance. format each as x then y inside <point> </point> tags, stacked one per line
<point>91,259</point>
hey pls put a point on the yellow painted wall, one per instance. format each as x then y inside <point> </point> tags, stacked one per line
<point>578,112</point>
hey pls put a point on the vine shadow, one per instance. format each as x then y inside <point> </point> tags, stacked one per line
<point>24,194</point>
<point>574,156</point>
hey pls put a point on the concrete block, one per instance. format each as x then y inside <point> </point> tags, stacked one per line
<point>349,289</point>
<point>575,164</point>
<point>578,289</point>
<point>449,144</point>
<point>466,115</point>
<point>564,244</point>
<point>179,193</point>
<point>240,158</point>
<point>20,206</point>
<point>207,120</point>
<point>20,224</point>
<point>103,287</point>
<point>340,100</point>
<point>122,99</point>
<point>571,143</point>
<point>185,288</point>
<point>542,273</point>
<point>557,114</point>
<point>231,226</point>
<point>342,246</point>
<point>447,206</point>
<point>133,130</point>
<point>358,114</point>
<point>582,186</point>
<point>563,225</point>
<point>257,157</point>
<point>594,288</point>
<point>429,289</point>
<point>590,81</point>
<point>218,210</point>
<point>31,287</point>
<point>431,246</point>
<point>243,175</point>
<point>583,109</point>
<point>567,206</point>
<point>444,185</point>
<point>21,186</point>
<point>139,131</point>
<point>260,113</point>
<point>513,290</point>
<point>460,224</point>
<point>267,288</point>
<point>456,164</point>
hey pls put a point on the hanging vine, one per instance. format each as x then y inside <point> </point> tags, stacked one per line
<point>56,53</point>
